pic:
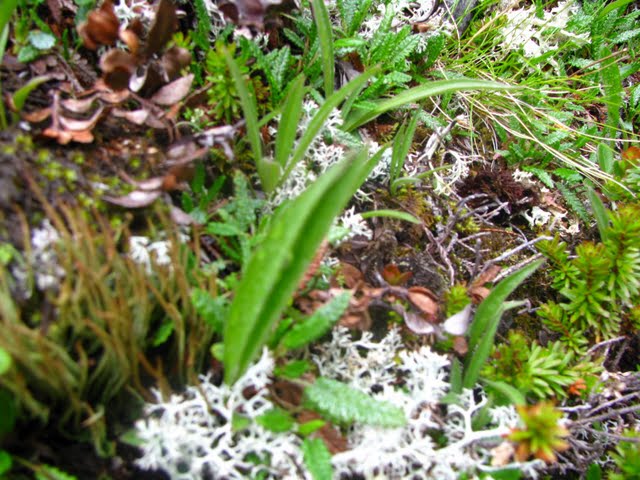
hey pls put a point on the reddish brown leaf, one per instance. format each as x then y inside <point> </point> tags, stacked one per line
<point>393,276</point>
<point>173,92</point>
<point>65,136</point>
<point>631,154</point>
<point>135,199</point>
<point>130,39</point>
<point>478,294</point>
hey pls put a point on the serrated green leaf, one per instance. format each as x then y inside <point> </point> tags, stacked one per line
<point>317,459</point>
<point>319,323</point>
<point>344,405</point>
<point>223,229</point>
<point>276,266</point>
<point>486,320</point>
<point>276,420</point>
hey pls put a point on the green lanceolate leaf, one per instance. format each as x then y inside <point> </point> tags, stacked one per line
<point>317,459</point>
<point>20,97</point>
<point>485,323</point>
<point>8,6</point>
<point>415,94</point>
<point>325,36</point>
<point>277,264</point>
<point>344,405</point>
<point>269,172</point>
<point>5,361</point>
<point>599,212</point>
<point>291,113</point>
<point>407,217</point>
<point>318,121</point>
<point>317,324</point>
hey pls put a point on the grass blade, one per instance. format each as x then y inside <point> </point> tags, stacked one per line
<point>325,36</point>
<point>276,266</point>
<point>485,323</point>
<point>421,92</point>
<point>291,113</point>
<point>407,217</point>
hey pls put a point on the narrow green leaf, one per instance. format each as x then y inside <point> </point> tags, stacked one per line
<point>613,6</point>
<point>20,97</point>
<point>276,420</point>
<point>5,361</point>
<point>485,323</point>
<point>163,333</point>
<point>276,266</point>
<point>401,146</point>
<point>512,394</point>
<point>318,121</point>
<point>344,405</point>
<point>325,36</point>
<point>288,127</point>
<point>8,6</point>
<point>600,213</point>
<point>317,459</point>
<point>5,462</point>
<point>294,369</point>
<point>250,111</point>
<point>319,323</point>
<point>415,94</point>
<point>311,426</point>
<point>605,157</point>
<point>391,214</point>
<point>47,472</point>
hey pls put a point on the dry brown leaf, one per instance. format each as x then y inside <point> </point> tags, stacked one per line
<point>78,125</point>
<point>425,301</point>
<point>79,105</point>
<point>478,294</point>
<point>487,276</point>
<point>418,324</point>
<point>460,346</point>
<point>173,92</point>
<point>164,24</point>
<point>393,276</point>
<point>137,117</point>
<point>135,199</point>
<point>174,60</point>
<point>180,217</point>
<point>117,66</point>
<point>36,116</point>
<point>101,27</point>
<point>63,137</point>
<point>351,275</point>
